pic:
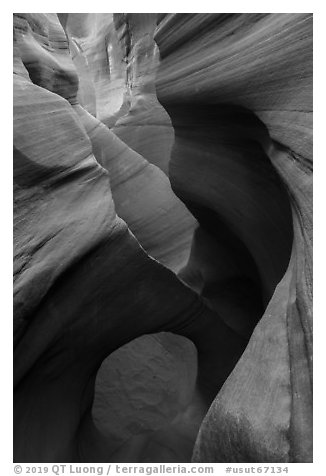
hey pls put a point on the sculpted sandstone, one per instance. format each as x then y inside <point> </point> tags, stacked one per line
<point>163,237</point>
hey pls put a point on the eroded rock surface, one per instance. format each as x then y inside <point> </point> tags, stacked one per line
<point>242,119</point>
<point>163,219</point>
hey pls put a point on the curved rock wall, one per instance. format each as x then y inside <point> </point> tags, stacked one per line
<point>98,59</point>
<point>242,117</point>
<point>93,205</point>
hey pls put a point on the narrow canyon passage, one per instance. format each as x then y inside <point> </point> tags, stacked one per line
<point>221,268</point>
<point>162,223</point>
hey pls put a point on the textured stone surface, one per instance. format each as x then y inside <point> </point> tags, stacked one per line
<point>142,386</point>
<point>83,285</point>
<point>97,57</point>
<point>106,121</point>
<point>146,127</point>
<point>143,196</point>
<point>244,109</point>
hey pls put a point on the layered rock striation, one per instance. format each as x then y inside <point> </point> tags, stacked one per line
<point>243,127</point>
<point>163,237</point>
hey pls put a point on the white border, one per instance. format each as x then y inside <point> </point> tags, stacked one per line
<point>243,6</point>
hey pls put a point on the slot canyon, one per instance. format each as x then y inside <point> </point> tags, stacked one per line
<point>162,237</point>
